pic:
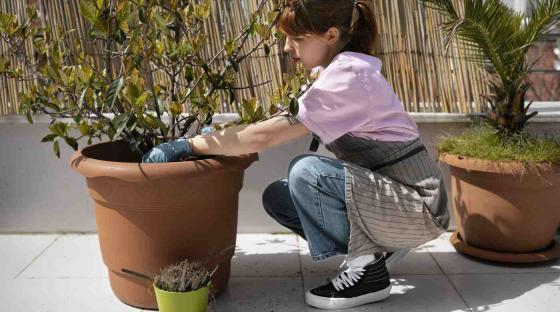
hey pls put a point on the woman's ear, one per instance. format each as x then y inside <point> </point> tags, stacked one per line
<point>332,35</point>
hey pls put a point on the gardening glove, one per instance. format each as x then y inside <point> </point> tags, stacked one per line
<point>168,152</point>
<point>172,151</point>
<point>207,129</point>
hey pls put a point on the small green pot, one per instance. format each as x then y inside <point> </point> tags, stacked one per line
<point>190,301</point>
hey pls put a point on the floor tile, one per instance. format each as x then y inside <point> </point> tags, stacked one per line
<point>410,293</point>
<point>262,294</point>
<point>65,273</point>
<point>266,255</point>
<point>417,261</point>
<point>18,251</point>
<point>70,256</point>
<point>452,262</point>
<point>60,295</point>
<point>510,292</point>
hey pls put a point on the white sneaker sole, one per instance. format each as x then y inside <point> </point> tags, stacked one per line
<point>346,303</point>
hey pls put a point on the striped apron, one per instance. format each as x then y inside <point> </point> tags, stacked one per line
<point>394,194</point>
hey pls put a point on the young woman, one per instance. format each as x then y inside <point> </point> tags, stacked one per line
<point>381,196</point>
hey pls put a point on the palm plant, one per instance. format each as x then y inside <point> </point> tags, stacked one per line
<point>498,38</point>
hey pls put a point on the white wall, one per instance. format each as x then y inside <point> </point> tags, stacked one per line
<point>40,193</point>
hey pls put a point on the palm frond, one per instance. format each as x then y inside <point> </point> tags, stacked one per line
<point>484,28</point>
<point>544,15</point>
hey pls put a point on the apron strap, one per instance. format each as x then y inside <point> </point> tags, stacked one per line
<point>314,145</point>
<point>403,157</point>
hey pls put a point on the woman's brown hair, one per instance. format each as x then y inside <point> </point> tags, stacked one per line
<point>353,18</point>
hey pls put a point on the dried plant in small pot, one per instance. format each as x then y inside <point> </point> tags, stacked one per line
<point>183,287</point>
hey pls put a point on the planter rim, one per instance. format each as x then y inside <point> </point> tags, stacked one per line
<point>138,172</point>
<point>183,292</point>
<point>504,167</point>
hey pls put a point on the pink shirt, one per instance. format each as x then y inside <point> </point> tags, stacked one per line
<point>351,95</point>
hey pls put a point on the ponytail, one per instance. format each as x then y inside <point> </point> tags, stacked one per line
<point>363,31</point>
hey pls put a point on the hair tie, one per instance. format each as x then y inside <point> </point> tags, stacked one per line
<point>355,14</point>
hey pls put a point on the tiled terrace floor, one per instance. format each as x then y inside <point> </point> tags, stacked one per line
<point>63,273</point>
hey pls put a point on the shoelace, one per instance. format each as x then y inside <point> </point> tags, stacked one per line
<point>347,278</point>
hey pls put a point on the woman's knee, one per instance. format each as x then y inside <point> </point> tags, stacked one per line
<point>302,170</point>
<point>308,169</point>
<point>273,195</point>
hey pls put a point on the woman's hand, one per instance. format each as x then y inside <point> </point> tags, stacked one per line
<point>172,151</point>
<point>168,152</point>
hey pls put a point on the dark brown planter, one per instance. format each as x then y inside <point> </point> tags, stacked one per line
<point>506,208</point>
<point>152,215</point>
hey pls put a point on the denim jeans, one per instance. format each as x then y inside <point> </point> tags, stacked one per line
<point>311,203</point>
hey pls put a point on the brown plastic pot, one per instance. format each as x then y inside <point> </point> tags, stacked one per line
<point>151,215</point>
<point>506,207</point>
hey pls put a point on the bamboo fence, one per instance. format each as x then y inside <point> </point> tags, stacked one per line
<point>410,46</point>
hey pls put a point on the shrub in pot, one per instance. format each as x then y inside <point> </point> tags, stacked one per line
<point>183,287</point>
<point>504,180</point>
<point>147,215</point>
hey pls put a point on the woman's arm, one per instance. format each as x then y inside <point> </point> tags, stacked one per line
<point>245,139</point>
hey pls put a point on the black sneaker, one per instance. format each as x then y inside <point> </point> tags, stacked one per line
<point>352,288</point>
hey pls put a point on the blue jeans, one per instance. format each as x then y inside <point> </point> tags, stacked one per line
<point>311,203</point>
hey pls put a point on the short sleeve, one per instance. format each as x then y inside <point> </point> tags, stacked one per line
<point>336,103</point>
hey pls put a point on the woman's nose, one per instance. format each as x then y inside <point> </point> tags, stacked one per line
<point>288,46</point>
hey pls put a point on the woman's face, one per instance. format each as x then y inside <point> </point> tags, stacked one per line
<point>311,50</point>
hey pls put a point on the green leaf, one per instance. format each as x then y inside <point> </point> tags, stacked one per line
<point>120,36</point>
<point>31,12</point>
<point>230,47</point>
<point>119,123</point>
<point>249,105</point>
<point>56,149</point>
<point>81,98</point>
<point>89,10</point>
<point>134,89</point>
<point>189,74</point>
<point>58,128</point>
<point>29,116</point>
<point>161,23</point>
<point>72,142</point>
<point>142,99</point>
<point>84,128</point>
<point>113,92</point>
<point>52,73</point>
<point>253,28</point>
<point>49,138</point>
<point>142,16</point>
<point>132,123</point>
<point>271,16</point>
<point>294,106</point>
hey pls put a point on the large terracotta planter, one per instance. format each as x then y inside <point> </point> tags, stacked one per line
<point>505,211</point>
<point>151,215</point>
